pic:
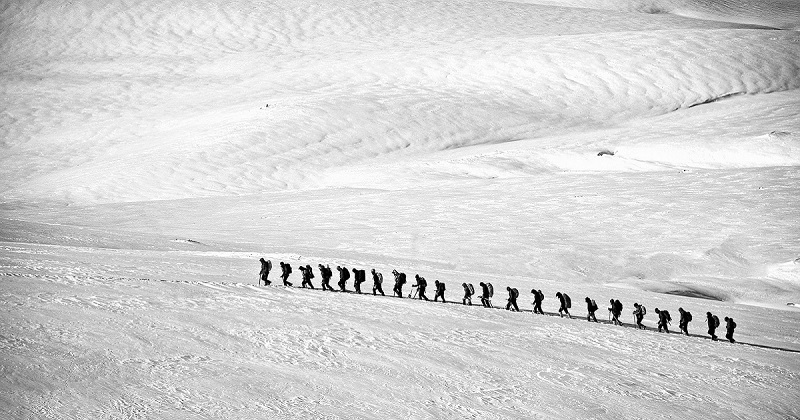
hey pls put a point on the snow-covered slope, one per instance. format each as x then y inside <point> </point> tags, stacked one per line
<point>151,151</point>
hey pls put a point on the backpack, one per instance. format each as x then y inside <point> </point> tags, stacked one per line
<point>593,305</point>
<point>288,269</point>
<point>644,310</point>
<point>380,278</point>
<point>269,265</point>
<point>540,294</point>
<point>688,317</point>
<point>515,293</point>
<point>618,306</point>
<point>667,316</point>
<point>310,273</point>
<point>568,300</point>
<point>733,325</point>
<point>471,289</point>
<point>346,274</point>
<point>716,321</point>
<point>491,289</point>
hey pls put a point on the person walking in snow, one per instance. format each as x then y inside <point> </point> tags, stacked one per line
<point>638,315</point>
<point>713,323</point>
<point>468,292</point>
<point>344,274</point>
<point>439,291</point>
<point>266,266</point>
<point>591,308</point>
<point>326,274</point>
<point>663,320</point>
<point>359,276</point>
<point>307,275</point>
<point>286,270</point>
<point>564,309</point>
<point>729,327</point>
<point>513,294</point>
<point>538,297</point>
<point>421,285</point>
<point>399,281</point>
<point>616,311</point>
<point>683,323</point>
<point>486,295</point>
<point>377,282</point>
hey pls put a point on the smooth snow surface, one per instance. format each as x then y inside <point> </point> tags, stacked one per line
<point>640,150</point>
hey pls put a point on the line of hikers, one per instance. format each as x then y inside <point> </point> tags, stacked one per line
<point>487,292</point>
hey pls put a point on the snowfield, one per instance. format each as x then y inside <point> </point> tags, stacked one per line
<point>647,151</point>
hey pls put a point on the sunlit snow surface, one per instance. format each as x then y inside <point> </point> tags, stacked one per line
<point>646,151</point>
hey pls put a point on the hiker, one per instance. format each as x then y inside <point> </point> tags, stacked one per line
<point>485,295</point>
<point>713,323</point>
<point>439,291</point>
<point>421,285</point>
<point>326,273</point>
<point>359,276</point>
<point>616,311</point>
<point>638,315</point>
<point>729,327</point>
<point>663,320</point>
<point>591,308</point>
<point>286,269</point>
<point>513,294</point>
<point>686,318</point>
<point>565,304</point>
<point>399,281</point>
<point>538,297</point>
<point>306,275</point>
<point>344,274</point>
<point>266,266</point>
<point>469,290</point>
<point>377,282</point>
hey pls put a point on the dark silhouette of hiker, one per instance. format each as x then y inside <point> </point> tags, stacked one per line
<point>663,320</point>
<point>616,311</point>
<point>538,297</point>
<point>638,315</point>
<point>399,281</point>
<point>486,295</point>
<point>344,274</point>
<point>377,282</point>
<point>564,306</point>
<point>513,294</point>
<point>326,274</point>
<point>713,323</point>
<point>729,327</point>
<point>421,285</point>
<point>591,308</point>
<point>286,270</point>
<point>359,276</point>
<point>683,323</point>
<point>266,266</point>
<point>307,275</point>
<point>468,292</point>
<point>439,292</point>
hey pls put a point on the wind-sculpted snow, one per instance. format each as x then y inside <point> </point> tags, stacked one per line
<point>155,101</point>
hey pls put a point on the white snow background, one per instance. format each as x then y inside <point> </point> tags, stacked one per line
<point>152,151</point>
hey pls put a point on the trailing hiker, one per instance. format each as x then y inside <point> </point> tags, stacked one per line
<point>729,327</point>
<point>359,276</point>
<point>377,282</point>
<point>713,323</point>
<point>686,318</point>
<point>308,274</point>
<point>286,270</point>
<point>538,297</point>
<point>664,320</point>
<point>616,311</point>
<point>326,274</point>
<point>513,294</point>
<point>469,290</point>
<point>591,308</point>
<point>421,285</point>
<point>566,303</point>
<point>344,274</point>
<point>439,291</point>
<point>638,315</point>
<point>399,281</point>
<point>486,295</point>
<point>263,275</point>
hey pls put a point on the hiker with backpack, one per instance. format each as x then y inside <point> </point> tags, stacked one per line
<point>486,295</point>
<point>286,270</point>
<point>344,274</point>
<point>616,311</point>
<point>263,275</point>
<point>439,292</point>
<point>638,315</point>
<point>591,308</point>
<point>513,294</point>
<point>359,276</point>
<point>421,285</point>
<point>663,320</point>
<point>307,276</point>
<point>565,304</point>
<point>538,297</point>
<point>729,327</point>
<point>469,290</point>
<point>713,323</point>
<point>326,274</point>
<point>686,318</point>
<point>377,283</point>
<point>399,281</point>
